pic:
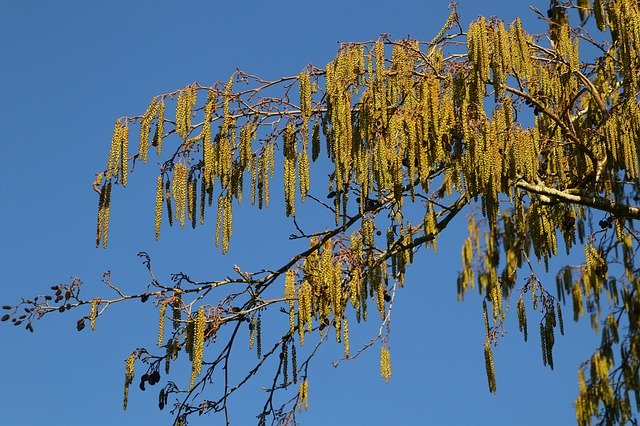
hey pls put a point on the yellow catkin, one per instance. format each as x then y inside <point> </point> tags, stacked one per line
<point>305,95</point>
<point>93,313</point>
<point>289,163</point>
<point>303,395</point>
<point>145,127</point>
<point>113,164</point>
<point>198,346</point>
<point>486,318</point>
<point>124,154</point>
<point>227,223</point>
<point>385,363</point>
<point>303,174</point>
<point>163,312</point>
<point>345,337</point>
<point>159,134</point>
<point>489,366</point>
<point>290,295</point>
<point>380,298</point>
<point>129,374</point>
<point>179,190</point>
<point>181,113</point>
<point>159,204</point>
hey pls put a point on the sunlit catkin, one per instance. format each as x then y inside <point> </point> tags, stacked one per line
<point>290,296</point>
<point>303,396</point>
<point>489,366</point>
<point>93,313</point>
<point>179,190</point>
<point>145,128</point>
<point>345,337</point>
<point>129,374</point>
<point>305,95</point>
<point>159,133</point>
<point>385,363</point>
<point>163,312</point>
<point>198,345</point>
<point>124,154</point>
<point>159,204</point>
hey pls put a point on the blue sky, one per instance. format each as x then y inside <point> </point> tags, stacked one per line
<point>68,70</point>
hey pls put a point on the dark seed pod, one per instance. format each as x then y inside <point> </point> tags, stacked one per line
<point>29,327</point>
<point>6,307</point>
<point>5,317</point>
<point>54,287</point>
<point>378,232</point>
<point>67,295</point>
<point>331,194</point>
<point>17,323</point>
<point>61,308</point>
<point>156,377</point>
<point>80,324</point>
<point>144,298</point>
<point>387,297</point>
<point>47,297</point>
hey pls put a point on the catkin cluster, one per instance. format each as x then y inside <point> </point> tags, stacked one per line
<point>185,103</point>
<point>119,153</point>
<point>145,127</point>
<point>303,395</point>
<point>179,190</point>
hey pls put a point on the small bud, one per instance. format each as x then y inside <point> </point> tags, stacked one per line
<point>6,307</point>
<point>80,324</point>
<point>61,309</point>
<point>5,317</point>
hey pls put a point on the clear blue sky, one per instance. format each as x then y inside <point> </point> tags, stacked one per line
<point>68,70</point>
